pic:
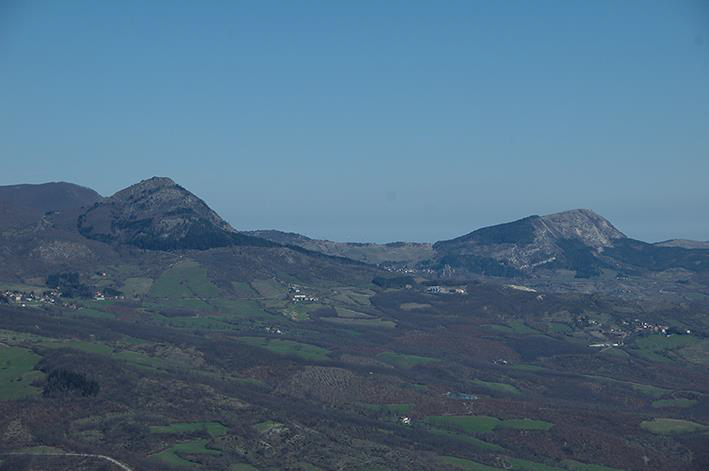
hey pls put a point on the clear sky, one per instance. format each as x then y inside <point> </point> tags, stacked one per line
<point>369,120</point>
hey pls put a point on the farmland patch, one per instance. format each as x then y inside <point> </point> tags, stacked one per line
<point>665,426</point>
<point>17,373</point>
<point>305,351</point>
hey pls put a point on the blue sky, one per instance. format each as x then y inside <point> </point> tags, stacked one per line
<point>369,120</point>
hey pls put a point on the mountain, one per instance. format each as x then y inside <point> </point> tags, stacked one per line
<point>46,197</point>
<point>578,240</point>
<point>684,243</point>
<point>223,350</point>
<point>148,227</point>
<point>158,214</point>
<point>570,239</point>
<point>391,254</point>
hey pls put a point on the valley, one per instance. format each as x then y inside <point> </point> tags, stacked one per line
<point>182,345</point>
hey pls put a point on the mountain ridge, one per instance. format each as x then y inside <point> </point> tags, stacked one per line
<point>159,214</point>
<point>50,196</point>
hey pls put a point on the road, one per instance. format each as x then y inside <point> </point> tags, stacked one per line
<point>82,455</point>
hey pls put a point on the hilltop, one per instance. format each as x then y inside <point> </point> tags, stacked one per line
<point>158,214</point>
<point>578,240</point>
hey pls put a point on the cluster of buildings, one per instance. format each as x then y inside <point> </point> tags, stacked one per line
<point>445,290</point>
<point>617,335</point>
<point>297,295</point>
<point>101,296</point>
<point>51,296</point>
<point>642,326</point>
<point>406,270</point>
<point>23,298</point>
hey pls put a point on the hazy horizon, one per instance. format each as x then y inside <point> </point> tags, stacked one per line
<point>414,121</point>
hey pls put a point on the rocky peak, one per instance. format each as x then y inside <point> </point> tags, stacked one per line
<point>156,214</point>
<point>570,239</point>
<point>149,185</point>
<point>584,225</point>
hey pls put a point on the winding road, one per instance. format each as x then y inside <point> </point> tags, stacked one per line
<point>82,455</point>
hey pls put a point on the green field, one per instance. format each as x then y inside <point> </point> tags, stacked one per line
<point>671,426</point>
<point>646,389</point>
<point>353,297</point>
<point>135,358</point>
<point>17,373</point>
<point>513,327</point>
<point>474,442</point>
<point>559,328</point>
<point>484,423</point>
<point>266,425</point>
<point>517,464</point>
<point>305,351</point>
<point>300,311</point>
<point>350,314</point>
<point>493,387</point>
<point>243,290</point>
<point>186,279</point>
<point>89,312</point>
<point>214,429</point>
<point>656,347</point>
<point>658,343</point>
<point>197,322</point>
<point>682,403</point>
<point>242,467</point>
<point>514,464</point>
<point>269,288</point>
<point>405,361</point>
<point>578,466</point>
<point>137,286</point>
<point>173,455</point>
<point>467,465</point>
<point>375,323</point>
<point>240,309</point>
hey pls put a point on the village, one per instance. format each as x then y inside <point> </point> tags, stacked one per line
<point>24,298</point>
<point>616,336</point>
<point>50,297</point>
<point>445,290</point>
<point>296,294</point>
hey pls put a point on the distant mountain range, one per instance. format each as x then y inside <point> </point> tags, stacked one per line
<point>577,241</point>
<point>367,252</point>
<point>159,215</point>
<point>684,244</point>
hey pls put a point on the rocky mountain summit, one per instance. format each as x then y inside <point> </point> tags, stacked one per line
<point>158,214</point>
<point>583,225</point>
<point>579,241</point>
<point>569,239</point>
